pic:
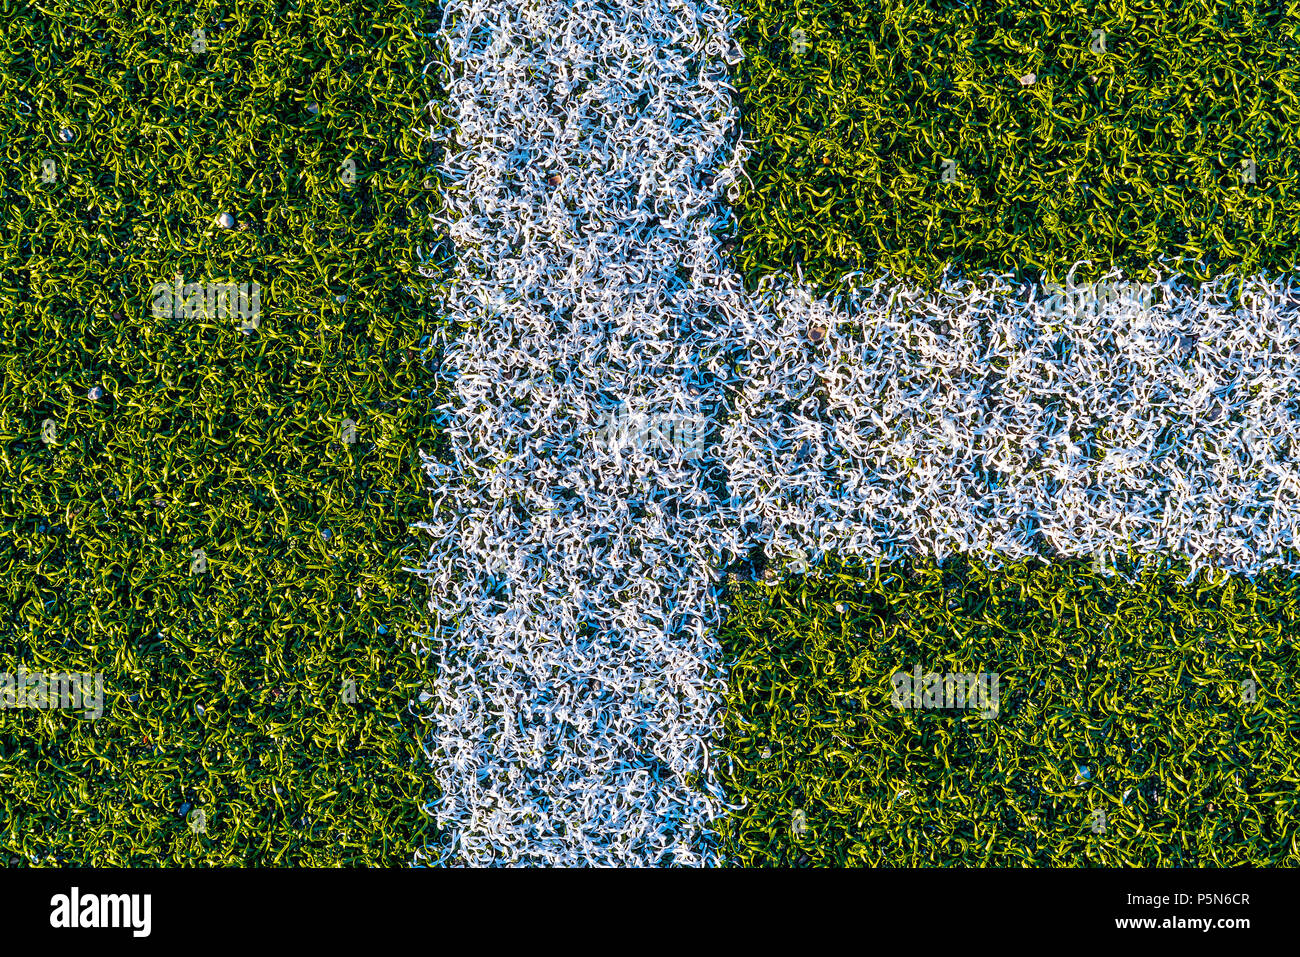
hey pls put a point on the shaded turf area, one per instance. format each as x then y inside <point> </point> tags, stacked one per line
<point>184,506</point>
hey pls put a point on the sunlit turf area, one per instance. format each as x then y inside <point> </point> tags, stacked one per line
<point>212,511</point>
<point>1019,137</point>
<point>1143,721</point>
<point>219,363</point>
<point>1121,723</point>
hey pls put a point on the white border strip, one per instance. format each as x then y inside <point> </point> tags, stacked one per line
<point>988,418</point>
<point>576,684</point>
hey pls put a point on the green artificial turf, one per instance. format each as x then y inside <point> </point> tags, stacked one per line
<point>1119,697</point>
<point>1127,157</point>
<point>1122,157</point>
<point>226,689</point>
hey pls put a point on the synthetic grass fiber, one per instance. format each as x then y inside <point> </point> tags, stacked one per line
<point>227,701</point>
<point>575,660</point>
<point>576,663</point>
<point>1166,145</point>
<point>1124,735</point>
<point>574,631</point>
<point>1124,150</point>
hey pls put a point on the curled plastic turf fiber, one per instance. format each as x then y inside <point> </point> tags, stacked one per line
<point>225,681</point>
<point>1138,724</point>
<point>578,673</point>
<point>1018,136</point>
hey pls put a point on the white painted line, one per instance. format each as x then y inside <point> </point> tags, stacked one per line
<point>577,534</point>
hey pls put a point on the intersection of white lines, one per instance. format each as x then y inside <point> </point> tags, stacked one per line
<point>574,583</point>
